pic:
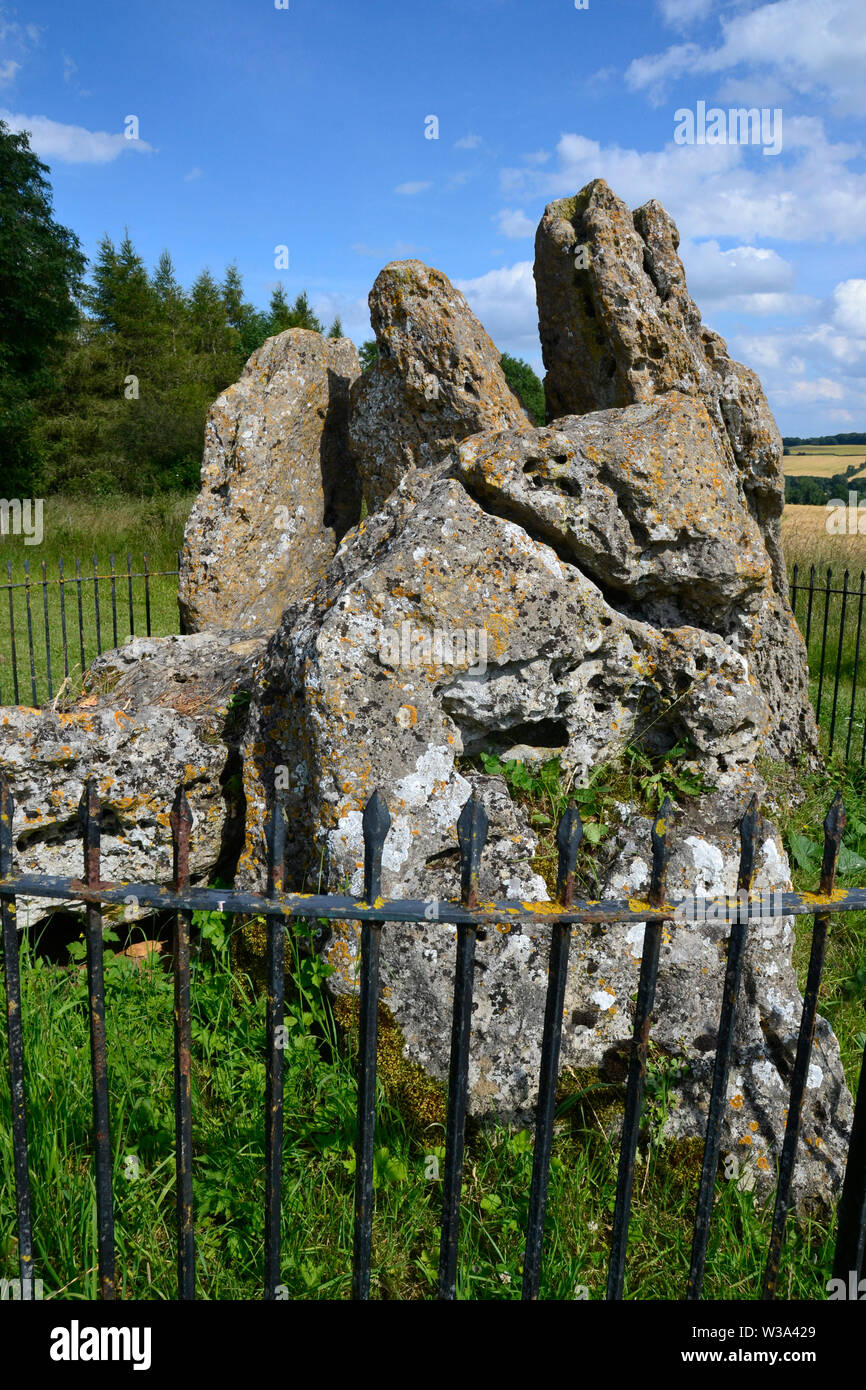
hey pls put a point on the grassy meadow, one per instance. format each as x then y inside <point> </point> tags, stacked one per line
<point>846,451</point>
<point>829,622</point>
<point>77,528</point>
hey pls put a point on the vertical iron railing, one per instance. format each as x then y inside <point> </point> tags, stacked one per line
<point>471,918</point>
<point>833,643</point>
<point>46,649</point>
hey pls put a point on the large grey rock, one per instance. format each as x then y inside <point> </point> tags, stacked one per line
<point>201,674</point>
<point>437,380</point>
<point>152,714</point>
<point>604,975</point>
<point>645,502</point>
<point>530,652</point>
<point>618,326</point>
<point>137,761</point>
<point>279,489</point>
<point>623,328</point>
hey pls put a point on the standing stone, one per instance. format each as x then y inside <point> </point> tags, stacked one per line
<point>437,380</point>
<point>279,489</point>
<point>618,327</point>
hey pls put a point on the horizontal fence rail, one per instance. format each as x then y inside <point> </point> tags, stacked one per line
<point>49,619</point>
<point>470,916</point>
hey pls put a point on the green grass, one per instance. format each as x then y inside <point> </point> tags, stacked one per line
<point>76,528</point>
<point>840,708</point>
<point>320,1094</point>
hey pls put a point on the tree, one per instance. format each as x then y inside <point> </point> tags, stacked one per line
<point>41,268</point>
<point>368,353</point>
<point>302,315</point>
<point>279,313</point>
<point>336,329</point>
<point>250,324</point>
<point>525,385</point>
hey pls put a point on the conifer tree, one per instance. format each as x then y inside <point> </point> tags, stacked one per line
<point>41,265</point>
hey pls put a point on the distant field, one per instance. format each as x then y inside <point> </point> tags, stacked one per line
<point>806,542</point>
<point>842,450</point>
<point>819,465</point>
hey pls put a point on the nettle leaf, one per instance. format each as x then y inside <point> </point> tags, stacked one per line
<point>850,862</point>
<point>491,764</point>
<point>387,1168</point>
<point>805,852</point>
<point>594,832</point>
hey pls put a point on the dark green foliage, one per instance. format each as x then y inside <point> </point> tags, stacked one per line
<point>105,386</point>
<point>41,265</point>
<point>127,408</point>
<point>525,385</point>
<point>817,491</point>
<point>793,441</point>
<point>368,353</point>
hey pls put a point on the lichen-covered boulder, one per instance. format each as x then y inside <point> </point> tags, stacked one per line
<point>618,327</point>
<point>137,761</point>
<point>603,979</point>
<point>443,629</point>
<point>645,503</point>
<point>279,488</point>
<point>151,714</point>
<point>201,674</point>
<point>437,380</point>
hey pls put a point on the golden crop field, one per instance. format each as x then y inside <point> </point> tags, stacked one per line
<point>843,450</point>
<point>819,465</point>
<point>806,542</point>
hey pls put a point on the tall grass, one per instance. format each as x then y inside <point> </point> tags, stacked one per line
<point>77,528</point>
<point>319,1160</point>
<point>829,620</point>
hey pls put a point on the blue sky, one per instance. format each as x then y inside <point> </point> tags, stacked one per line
<point>305,127</point>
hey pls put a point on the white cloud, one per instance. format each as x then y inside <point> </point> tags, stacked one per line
<point>653,72</point>
<point>816,46</point>
<point>682,12</point>
<point>848,302</point>
<point>410,189</point>
<point>514,223</point>
<point>820,361</point>
<point>821,390</point>
<point>8,71</point>
<point>537,157</point>
<point>354,313</point>
<point>504,301</point>
<point>468,142</point>
<point>744,279</point>
<point>195,173</point>
<point>811,193</point>
<point>72,144</point>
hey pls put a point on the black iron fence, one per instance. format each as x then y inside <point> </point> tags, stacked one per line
<point>62,621</point>
<point>830,616</point>
<point>471,919</point>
